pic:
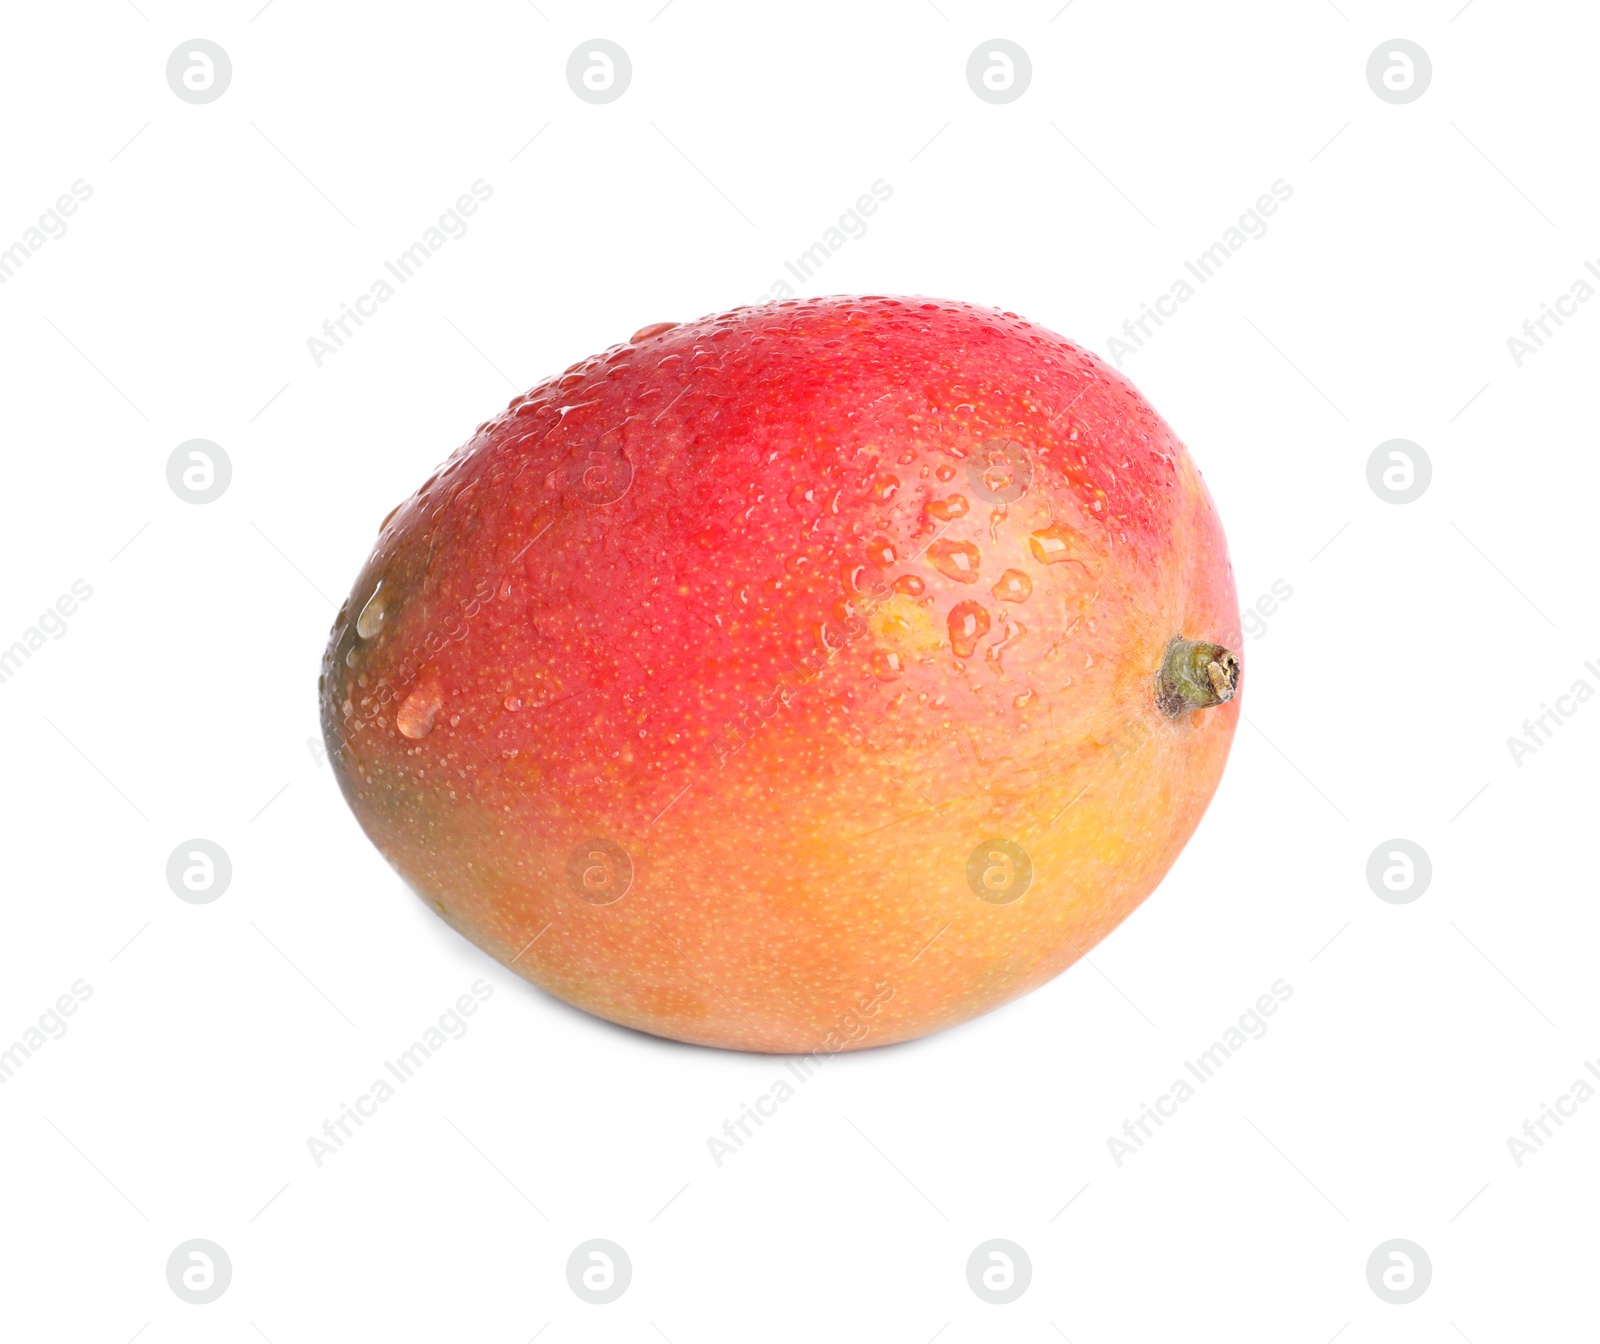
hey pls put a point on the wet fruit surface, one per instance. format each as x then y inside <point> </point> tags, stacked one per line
<point>786,680</point>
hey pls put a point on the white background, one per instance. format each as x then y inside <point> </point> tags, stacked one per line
<point>180,700</point>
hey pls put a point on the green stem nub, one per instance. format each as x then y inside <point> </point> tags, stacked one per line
<point>1195,675</point>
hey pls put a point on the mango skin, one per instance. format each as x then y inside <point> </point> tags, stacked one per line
<point>662,690</point>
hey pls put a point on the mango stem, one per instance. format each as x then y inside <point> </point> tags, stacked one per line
<point>1195,675</point>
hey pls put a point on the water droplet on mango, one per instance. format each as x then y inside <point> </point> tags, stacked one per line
<point>416,714</point>
<point>1053,544</point>
<point>969,622</point>
<point>887,665</point>
<point>1013,586</point>
<point>371,619</point>
<point>956,560</point>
